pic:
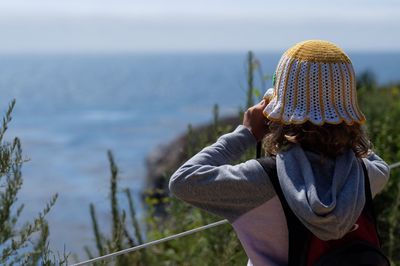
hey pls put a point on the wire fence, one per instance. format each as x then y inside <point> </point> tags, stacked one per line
<point>168,238</point>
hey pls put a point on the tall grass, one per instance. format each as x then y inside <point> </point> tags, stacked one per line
<point>27,244</point>
<point>381,106</point>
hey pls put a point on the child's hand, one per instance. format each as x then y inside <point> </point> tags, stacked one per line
<point>255,120</point>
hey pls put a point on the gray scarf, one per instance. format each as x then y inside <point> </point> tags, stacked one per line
<point>327,196</point>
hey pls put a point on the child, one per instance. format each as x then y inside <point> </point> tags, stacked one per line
<point>311,124</point>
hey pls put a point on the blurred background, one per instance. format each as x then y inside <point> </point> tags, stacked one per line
<point>129,75</point>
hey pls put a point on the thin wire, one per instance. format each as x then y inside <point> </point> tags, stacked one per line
<point>155,242</point>
<point>394,165</point>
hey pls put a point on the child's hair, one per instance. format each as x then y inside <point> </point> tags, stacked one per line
<point>328,140</point>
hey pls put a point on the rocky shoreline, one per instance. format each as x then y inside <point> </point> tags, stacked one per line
<point>166,158</point>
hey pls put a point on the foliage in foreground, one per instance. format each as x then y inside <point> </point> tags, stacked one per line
<point>216,246</point>
<point>27,244</point>
<point>220,246</point>
<point>381,106</point>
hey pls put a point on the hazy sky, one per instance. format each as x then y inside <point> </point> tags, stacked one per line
<point>185,25</point>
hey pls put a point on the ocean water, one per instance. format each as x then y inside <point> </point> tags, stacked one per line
<point>71,109</point>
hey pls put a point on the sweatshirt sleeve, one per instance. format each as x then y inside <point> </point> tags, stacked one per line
<point>209,181</point>
<point>378,172</point>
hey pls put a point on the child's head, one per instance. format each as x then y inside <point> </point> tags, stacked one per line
<point>314,102</point>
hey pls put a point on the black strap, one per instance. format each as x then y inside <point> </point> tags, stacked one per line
<point>369,205</point>
<point>258,149</point>
<point>367,185</point>
<point>299,235</point>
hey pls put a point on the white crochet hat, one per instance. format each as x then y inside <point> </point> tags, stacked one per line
<point>315,82</point>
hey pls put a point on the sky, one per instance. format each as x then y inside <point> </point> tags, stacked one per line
<point>109,26</point>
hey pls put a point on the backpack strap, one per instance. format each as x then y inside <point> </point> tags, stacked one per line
<point>369,205</point>
<point>367,185</point>
<point>299,235</point>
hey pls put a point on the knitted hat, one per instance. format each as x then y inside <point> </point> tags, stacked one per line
<point>315,82</point>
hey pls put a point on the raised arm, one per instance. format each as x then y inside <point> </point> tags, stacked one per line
<point>210,181</point>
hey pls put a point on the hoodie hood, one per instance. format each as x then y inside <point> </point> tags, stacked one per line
<point>327,196</point>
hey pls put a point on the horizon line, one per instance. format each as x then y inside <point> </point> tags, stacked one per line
<point>177,52</point>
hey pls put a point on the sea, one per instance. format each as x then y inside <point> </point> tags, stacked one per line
<point>72,108</point>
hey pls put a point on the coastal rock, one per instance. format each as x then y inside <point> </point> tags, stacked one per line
<point>165,159</point>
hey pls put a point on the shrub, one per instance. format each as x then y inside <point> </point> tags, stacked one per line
<point>27,244</point>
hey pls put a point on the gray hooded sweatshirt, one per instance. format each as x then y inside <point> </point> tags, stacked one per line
<point>327,196</point>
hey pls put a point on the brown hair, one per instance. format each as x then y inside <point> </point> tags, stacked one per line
<point>328,140</point>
